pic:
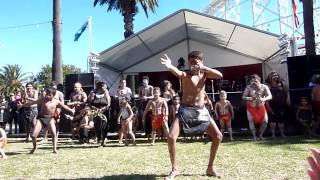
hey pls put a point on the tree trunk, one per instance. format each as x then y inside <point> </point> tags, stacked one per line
<point>128,24</point>
<point>308,27</point>
<point>56,59</point>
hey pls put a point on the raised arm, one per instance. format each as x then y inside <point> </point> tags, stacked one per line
<point>211,73</point>
<point>166,61</point>
<point>63,106</point>
<point>29,103</point>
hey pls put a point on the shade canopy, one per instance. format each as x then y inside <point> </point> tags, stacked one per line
<point>223,43</point>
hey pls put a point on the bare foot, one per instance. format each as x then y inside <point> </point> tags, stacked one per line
<point>261,138</point>
<point>210,172</point>
<point>33,150</point>
<point>172,175</point>
<point>55,152</point>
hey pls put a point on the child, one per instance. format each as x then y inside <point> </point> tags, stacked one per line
<point>304,115</point>
<point>159,108</point>
<point>3,142</point>
<point>173,109</point>
<point>84,124</point>
<point>224,112</point>
<point>125,119</point>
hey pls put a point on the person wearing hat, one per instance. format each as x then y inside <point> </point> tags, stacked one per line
<point>193,115</point>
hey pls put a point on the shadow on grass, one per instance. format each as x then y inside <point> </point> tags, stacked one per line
<point>137,177</point>
<point>124,177</point>
<point>14,153</point>
<point>292,140</point>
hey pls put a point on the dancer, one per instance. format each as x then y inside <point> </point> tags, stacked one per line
<point>125,119</point>
<point>256,94</point>
<point>3,142</point>
<point>160,112</point>
<point>192,114</point>
<point>30,112</point>
<point>225,114</point>
<point>48,106</point>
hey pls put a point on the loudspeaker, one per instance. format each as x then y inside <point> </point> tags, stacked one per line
<point>296,94</point>
<point>86,79</point>
<point>301,69</point>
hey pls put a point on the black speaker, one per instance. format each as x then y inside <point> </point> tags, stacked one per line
<point>86,79</point>
<point>301,69</point>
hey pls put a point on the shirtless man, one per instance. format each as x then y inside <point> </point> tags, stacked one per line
<point>48,106</point>
<point>192,114</point>
<point>145,94</point>
<point>30,112</point>
<point>78,100</point>
<point>160,112</point>
<point>256,94</point>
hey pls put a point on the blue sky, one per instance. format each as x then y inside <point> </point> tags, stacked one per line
<point>31,47</point>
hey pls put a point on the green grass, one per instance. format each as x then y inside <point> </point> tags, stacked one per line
<point>239,159</point>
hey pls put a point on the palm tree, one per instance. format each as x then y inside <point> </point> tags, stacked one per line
<point>128,9</point>
<point>12,79</point>
<point>56,57</point>
<point>308,26</point>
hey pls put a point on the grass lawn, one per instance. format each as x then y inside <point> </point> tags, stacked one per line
<point>239,159</point>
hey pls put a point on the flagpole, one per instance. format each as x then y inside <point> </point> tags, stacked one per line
<point>90,41</point>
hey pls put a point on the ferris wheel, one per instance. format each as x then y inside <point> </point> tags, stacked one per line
<point>274,16</point>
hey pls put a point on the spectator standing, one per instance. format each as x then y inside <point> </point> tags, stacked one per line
<point>279,103</point>
<point>168,93</point>
<point>145,94</point>
<point>100,100</point>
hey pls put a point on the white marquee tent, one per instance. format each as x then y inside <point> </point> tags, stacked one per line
<point>223,43</point>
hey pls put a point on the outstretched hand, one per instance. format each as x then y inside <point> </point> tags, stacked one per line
<point>314,162</point>
<point>165,60</point>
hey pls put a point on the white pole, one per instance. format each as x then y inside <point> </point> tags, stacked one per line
<point>90,42</point>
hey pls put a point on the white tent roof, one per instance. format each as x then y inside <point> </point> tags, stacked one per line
<point>223,43</point>
<point>227,43</point>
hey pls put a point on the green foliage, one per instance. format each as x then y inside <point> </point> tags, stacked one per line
<point>44,77</point>
<point>11,79</point>
<point>123,5</point>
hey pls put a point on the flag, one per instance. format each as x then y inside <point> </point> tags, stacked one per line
<point>80,31</point>
<point>294,12</point>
